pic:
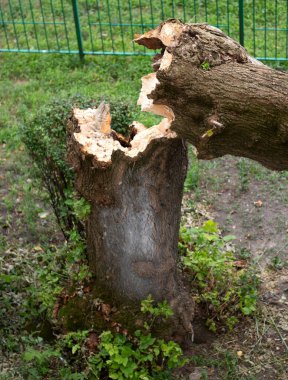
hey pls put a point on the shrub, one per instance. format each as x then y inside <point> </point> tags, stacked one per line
<point>45,138</point>
<point>225,288</point>
<point>145,358</point>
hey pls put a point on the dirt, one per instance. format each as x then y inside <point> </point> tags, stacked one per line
<point>249,202</point>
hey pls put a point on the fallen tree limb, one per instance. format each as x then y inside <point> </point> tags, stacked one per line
<point>220,99</point>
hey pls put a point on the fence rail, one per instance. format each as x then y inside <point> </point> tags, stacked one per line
<point>90,27</point>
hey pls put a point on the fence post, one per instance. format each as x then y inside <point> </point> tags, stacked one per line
<point>78,28</point>
<point>241,22</point>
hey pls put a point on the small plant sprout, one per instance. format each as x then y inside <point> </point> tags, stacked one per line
<point>205,65</point>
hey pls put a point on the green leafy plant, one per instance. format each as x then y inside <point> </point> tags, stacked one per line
<point>244,170</point>
<point>224,291</point>
<point>161,310</point>
<point>193,173</point>
<point>140,356</point>
<point>205,65</point>
<point>45,138</point>
<point>57,267</point>
<point>39,361</point>
<point>143,357</point>
<point>277,263</point>
<point>74,340</point>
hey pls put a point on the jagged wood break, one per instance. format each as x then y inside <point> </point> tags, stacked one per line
<point>223,101</point>
<point>135,190</point>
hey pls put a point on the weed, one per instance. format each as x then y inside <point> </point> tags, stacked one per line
<point>244,253</point>
<point>40,361</point>
<point>225,291</point>
<point>193,173</point>
<point>140,357</point>
<point>57,268</point>
<point>277,263</point>
<point>243,167</point>
<point>74,340</point>
<point>205,66</point>
<point>162,309</point>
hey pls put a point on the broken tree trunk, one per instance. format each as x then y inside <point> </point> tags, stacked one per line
<point>135,190</point>
<point>221,100</point>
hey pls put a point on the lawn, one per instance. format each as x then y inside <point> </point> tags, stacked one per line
<point>246,200</point>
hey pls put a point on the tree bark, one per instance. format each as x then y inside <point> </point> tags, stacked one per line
<point>135,190</point>
<point>221,100</point>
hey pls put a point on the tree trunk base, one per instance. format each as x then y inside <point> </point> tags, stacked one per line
<point>135,190</point>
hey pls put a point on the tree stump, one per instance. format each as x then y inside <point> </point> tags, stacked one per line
<point>134,187</point>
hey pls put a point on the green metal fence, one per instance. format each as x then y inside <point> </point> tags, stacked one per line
<point>108,26</point>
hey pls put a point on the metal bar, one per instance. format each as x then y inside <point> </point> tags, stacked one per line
<point>110,23</point>
<point>5,31</point>
<point>76,52</point>
<point>131,24</point>
<point>34,25</point>
<point>14,28</point>
<point>276,29</point>
<point>206,13</point>
<point>184,10</point>
<point>140,25</point>
<point>78,28</point>
<point>265,32</point>
<point>241,22</point>
<point>23,23</point>
<point>173,8</point>
<point>118,24</point>
<point>287,29</point>
<point>141,18</point>
<point>228,17</point>
<point>45,30</point>
<point>254,29</point>
<point>89,24</point>
<point>54,23</point>
<point>151,13</point>
<point>32,22</point>
<point>272,29</point>
<point>162,11</point>
<point>217,13</point>
<point>112,53</point>
<point>121,26</point>
<point>100,24</point>
<point>65,25</point>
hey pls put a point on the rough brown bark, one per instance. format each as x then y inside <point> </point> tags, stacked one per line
<point>222,100</point>
<point>135,192</point>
